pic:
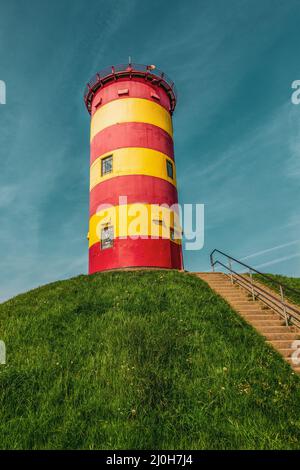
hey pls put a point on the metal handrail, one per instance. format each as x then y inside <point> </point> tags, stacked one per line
<point>286,287</point>
<point>114,72</point>
<point>290,313</point>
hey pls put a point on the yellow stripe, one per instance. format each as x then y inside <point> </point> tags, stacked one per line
<point>135,220</point>
<point>131,110</point>
<point>133,161</point>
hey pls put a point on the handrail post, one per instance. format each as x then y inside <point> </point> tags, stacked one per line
<point>212,262</point>
<point>283,305</point>
<point>252,288</point>
<point>230,269</point>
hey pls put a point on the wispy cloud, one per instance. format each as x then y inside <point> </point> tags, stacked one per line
<point>269,250</point>
<point>277,260</point>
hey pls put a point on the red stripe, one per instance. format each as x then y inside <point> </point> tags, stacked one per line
<point>137,88</point>
<point>137,188</point>
<point>127,253</point>
<point>131,134</point>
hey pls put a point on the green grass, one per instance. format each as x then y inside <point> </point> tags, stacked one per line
<point>292,282</point>
<point>143,360</point>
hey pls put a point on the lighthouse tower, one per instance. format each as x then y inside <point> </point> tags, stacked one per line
<point>133,195</point>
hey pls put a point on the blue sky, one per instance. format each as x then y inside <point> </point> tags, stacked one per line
<point>237,134</point>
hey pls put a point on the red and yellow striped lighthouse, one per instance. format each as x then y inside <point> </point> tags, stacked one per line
<point>134,221</point>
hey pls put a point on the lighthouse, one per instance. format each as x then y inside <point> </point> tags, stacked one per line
<point>134,217</point>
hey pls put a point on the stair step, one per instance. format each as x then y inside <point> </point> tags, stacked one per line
<point>258,323</point>
<point>274,329</point>
<point>238,301</point>
<point>234,290</point>
<point>225,285</point>
<point>259,316</point>
<point>286,352</point>
<point>252,311</point>
<point>224,282</point>
<point>254,314</point>
<point>209,276</point>
<point>281,344</point>
<point>230,292</point>
<point>282,336</point>
<point>222,285</point>
<point>232,295</point>
<point>247,308</point>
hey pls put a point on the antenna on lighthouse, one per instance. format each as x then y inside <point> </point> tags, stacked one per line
<point>129,60</point>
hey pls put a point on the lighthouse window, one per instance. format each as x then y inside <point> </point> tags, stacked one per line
<point>107,237</point>
<point>169,169</point>
<point>107,164</point>
<point>172,234</point>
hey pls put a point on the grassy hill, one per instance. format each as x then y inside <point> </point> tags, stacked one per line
<point>140,360</point>
<point>292,282</point>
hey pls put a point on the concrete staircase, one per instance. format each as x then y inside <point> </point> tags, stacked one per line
<point>267,322</point>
